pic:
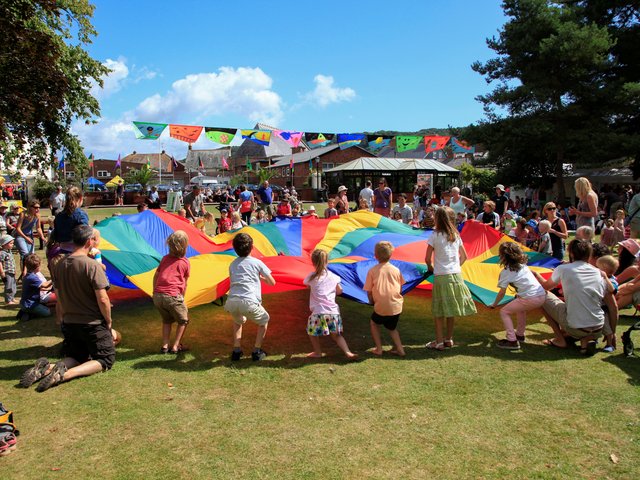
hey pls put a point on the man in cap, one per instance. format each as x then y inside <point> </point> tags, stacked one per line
<point>501,200</point>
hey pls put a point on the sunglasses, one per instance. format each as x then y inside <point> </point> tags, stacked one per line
<point>37,207</point>
<point>552,208</point>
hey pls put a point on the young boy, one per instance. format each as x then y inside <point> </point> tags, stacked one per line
<point>245,295</point>
<point>544,246</point>
<point>609,265</point>
<point>330,211</point>
<point>224,222</point>
<point>8,270</point>
<point>32,284</point>
<point>95,252</point>
<point>384,289</point>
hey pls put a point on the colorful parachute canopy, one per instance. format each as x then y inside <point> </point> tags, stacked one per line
<point>133,246</point>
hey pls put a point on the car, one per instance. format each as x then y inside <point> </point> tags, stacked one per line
<point>133,187</point>
<point>164,188</point>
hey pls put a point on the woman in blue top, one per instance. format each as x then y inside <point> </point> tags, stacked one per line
<point>245,204</point>
<point>69,218</point>
<point>27,227</point>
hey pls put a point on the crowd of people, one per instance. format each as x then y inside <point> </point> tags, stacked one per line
<point>580,300</point>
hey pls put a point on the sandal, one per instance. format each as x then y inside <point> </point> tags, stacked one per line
<point>181,348</point>
<point>448,343</point>
<point>164,350</point>
<point>434,345</point>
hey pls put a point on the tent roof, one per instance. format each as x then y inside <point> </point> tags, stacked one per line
<point>114,181</point>
<point>94,181</point>
<point>392,164</point>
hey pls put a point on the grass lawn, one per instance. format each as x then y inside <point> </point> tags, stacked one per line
<point>472,412</point>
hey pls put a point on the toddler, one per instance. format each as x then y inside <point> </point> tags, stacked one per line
<point>384,289</point>
<point>201,222</point>
<point>32,284</point>
<point>618,227</point>
<point>169,287</point>
<point>607,233</point>
<point>260,217</point>
<point>94,252</point>
<point>236,221</point>
<point>509,222</point>
<point>331,211</point>
<point>8,270</point>
<point>544,245</point>
<point>584,233</point>
<point>325,316</point>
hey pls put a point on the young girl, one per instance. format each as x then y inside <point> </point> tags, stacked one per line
<point>450,297</point>
<point>236,221</point>
<point>169,286</point>
<point>606,235</point>
<point>415,221</point>
<point>201,222</point>
<point>224,222</point>
<point>260,217</point>
<point>397,216</point>
<point>530,294</point>
<point>325,313</point>
<point>618,227</point>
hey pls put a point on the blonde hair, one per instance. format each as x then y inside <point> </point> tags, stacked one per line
<point>178,242</point>
<point>208,217</point>
<point>320,259</point>
<point>444,223</point>
<point>455,190</point>
<point>548,205</point>
<point>583,187</point>
<point>620,212</point>
<point>491,204</point>
<point>584,232</point>
<point>235,216</point>
<point>383,251</point>
<point>608,264</point>
<point>546,224</point>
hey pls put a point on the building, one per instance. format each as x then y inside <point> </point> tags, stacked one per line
<point>208,163</point>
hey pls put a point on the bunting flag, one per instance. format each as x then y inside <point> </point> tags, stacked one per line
<point>223,136</point>
<point>435,142</point>
<point>376,142</point>
<point>118,163</point>
<point>61,163</point>
<point>315,140</point>
<point>346,140</point>
<point>185,133</point>
<point>292,138</point>
<point>461,146</point>
<point>261,137</point>
<point>148,131</point>
<point>310,165</point>
<point>410,142</point>
<point>175,163</point>
<point>200,164</point>
<point>225,165</point>
<point>291,165</point>
<point>249,168</point>
<point>148,162</point>
<point>91,160</point>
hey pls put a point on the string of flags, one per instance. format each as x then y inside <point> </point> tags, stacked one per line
<point>224,136</point>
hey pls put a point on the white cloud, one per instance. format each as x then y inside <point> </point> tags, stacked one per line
<point>114,80</point>
<point>243,91</point>
<point>143,73</point>
<point>326,93</point>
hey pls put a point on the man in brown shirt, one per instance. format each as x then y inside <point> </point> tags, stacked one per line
<point>85,313</point>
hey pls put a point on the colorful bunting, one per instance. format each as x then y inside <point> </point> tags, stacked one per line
<point>315,140</point>
<point>291,165</point>
<point>185,133</point>
<point>118,163</point>
<point>200,164</point>
<point>225,165</point>
<point>346,140</point>
<point>223,136</point>
<point>410,142</point>
<point>461,146</point>
<point>376,142</point>
<point>91,160</point>
<point>292,138</point>
<point>148,131</point>
<point>435,142</point>
<point>61,163</point>
<point>261,137</point>
<point>249,168</point>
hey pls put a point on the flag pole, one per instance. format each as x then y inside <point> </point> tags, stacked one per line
<point>160,164</point>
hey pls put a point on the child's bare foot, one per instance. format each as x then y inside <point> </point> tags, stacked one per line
<point>376,352</point>
<point>314,355</point>
<point>351,356</point>
<point>397,353</point>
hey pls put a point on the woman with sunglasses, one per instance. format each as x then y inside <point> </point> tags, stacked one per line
<point>383,198</point>
<point>27,227</point>
<point>558,231</point>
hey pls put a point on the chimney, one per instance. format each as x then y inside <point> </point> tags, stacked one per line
<point>134,152</point>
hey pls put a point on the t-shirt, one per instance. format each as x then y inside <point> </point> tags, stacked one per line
<point>385,281</point>
<point>172,275</point>
<point>634,209</point>
<point>446,254</point>
<point>545,237</point>
<point>523,281</point>
<point>509,224</point>
<point>8,262</point>
<point>330,212</point>
<point>406,212</point>
<point>30,290</point>
<point>195,202</point>
<point>44,294</point>
<point>56,200</point>
<point>266,195</point>
<point>584,290</point>
<point>491,218</point>
<point>77,277</point>
<point>500,201</point>
<point>64,224</point>
<point>367,194</point>
<point>322,298</point>
<point>244,274</point>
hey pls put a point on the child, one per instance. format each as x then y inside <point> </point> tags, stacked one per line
<point>260,217</point>
<point>606,235</point>
<point>8,270</point>
<point>397,216</point>
<point>618,227</point>
<point>245,296</point>
<point>529,293</point>
<point>415,221</point>
<point>224,222</point>
<point>584,233</point>
<point>609,264</point>
<point>295,210</point>
<point>311,212</point>
<point>169,286</point>
<point>330,211</point>
<point>95,253</point>
<point>201,222</point>
<point>236,221</point>
<point>450,297</point>
<point>544,245</point>
<point>182,213</point>
<point>461,219</point>
<point>30,306</point>
<point>509,222</point>
<point>284,207</point>
<point>325,313</point>
<point>520,232</point>
<point>384,289</point>
<point>428,217</point>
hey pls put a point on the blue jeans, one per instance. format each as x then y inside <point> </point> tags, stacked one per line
<point>37,310</point>
<point>24,248</point>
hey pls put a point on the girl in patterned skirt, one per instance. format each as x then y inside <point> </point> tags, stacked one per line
<point>325,313</point>
<point>451,297</point>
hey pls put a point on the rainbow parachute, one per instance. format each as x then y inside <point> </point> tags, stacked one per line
<point>133,245</point>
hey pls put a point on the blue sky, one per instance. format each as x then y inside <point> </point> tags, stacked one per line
<point>342,67</point>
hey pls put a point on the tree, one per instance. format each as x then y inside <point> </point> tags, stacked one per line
<point>547,107</point>
<point>46,80</point>
<point>144,176</point>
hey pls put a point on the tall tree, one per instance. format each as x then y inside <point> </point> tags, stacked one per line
<point>46,79</point>
<point>549,72</point>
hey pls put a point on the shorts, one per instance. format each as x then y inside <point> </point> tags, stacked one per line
<point>390,322</point>
<point>320,324</point>
<point>171,308</point>
<point>241,310</point>
<point>89,342</point>
<point>557,310</point>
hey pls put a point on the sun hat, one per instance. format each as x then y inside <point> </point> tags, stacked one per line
<point>631,246</point>
<point>511,212</point>
<point>6,239</point>
<point>501,187</point>
<point>311,209</point>
<point>342,188</point>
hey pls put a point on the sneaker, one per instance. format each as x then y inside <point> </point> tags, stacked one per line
<point>35,373</point>
<point>609,349</point>
<point>508,344</point>
<point>590,349</point>
<point>54,378</point>
<point>258,355</point>
<point>236,355</point>
<point>7,444</point>
<point>520,338</point>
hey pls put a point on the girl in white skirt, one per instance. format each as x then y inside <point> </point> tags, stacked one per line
<point>451,297</point>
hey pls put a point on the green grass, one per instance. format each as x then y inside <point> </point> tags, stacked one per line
<point>472,412</point>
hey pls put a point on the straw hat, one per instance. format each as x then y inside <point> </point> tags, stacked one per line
<point>342,188</point>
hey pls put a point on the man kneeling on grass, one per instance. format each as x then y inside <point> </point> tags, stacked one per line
<point>85,312</point>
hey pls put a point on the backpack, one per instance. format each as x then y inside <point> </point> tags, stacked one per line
<point>8,432</point>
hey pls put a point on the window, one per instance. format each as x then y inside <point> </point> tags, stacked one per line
<point>103,174</point>
<point>71,174</point>
<point>327,166</point>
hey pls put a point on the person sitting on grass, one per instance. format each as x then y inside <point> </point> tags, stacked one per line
<point>384,289</point>
<point>84,310</point>
<point>32,285</point>
<point>245,296</point>
<point>609,264</point>
<point>169,286</point>
<point>581,315</point>
<point>325,316</point>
